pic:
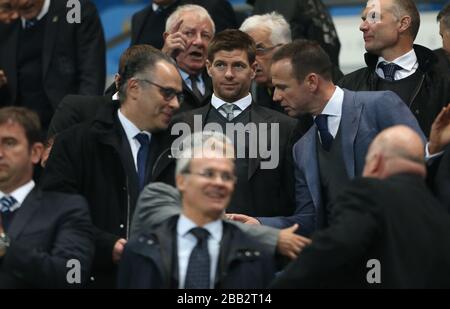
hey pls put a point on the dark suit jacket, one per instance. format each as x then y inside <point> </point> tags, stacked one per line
<point>364,115</point>
<point>94,159</point>
<point>75,109</point>
<point>48,230</point>
<point>149,260</point>
<point>271,189</point>
<point>395,221</point>
<point>73,55</point>
<point>148,28</point>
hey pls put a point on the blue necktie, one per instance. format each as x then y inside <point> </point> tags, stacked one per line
<point>325,135</point>
<point>389,70</point>
<point>30,23</point>
<point>142,157</point>
<point>6,203</point>
<point>198,271</point>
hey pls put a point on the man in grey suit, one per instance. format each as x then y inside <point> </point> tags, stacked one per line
<point>332,152</point>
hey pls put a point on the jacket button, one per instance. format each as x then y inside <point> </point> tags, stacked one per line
<point>256,253</point>
<point>124,188</point>
<point>141,239</point>
<point>417,112</point>
<point>92,278</point>
<point>248,253</point>
<point>149,242</point>
<point>122,226</point>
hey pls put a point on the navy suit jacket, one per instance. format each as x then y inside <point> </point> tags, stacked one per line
<point>364,115</point>
<point>48,230</point>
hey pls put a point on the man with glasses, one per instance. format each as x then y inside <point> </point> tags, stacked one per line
<point>111,158</point>
<point>198,249</point>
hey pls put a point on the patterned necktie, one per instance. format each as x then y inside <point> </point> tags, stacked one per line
<point>6,203</point>
<point>228,108</point>
<point>142,157</point>
<point>389,70</point>
<point>325,135</point>
<point>198,271</point>
<point>30,23</point>
<point>195,89</point>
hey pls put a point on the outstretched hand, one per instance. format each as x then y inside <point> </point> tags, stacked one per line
<point>440,131</point>
<point>290,244</point>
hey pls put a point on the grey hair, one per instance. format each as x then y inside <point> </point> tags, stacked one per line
<point>201,12</point>
<point>194,144</point>
<point>276,23</point>
<point>444,16</point>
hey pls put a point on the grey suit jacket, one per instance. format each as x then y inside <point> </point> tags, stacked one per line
<point>159,201</point>
<point>364,115</point>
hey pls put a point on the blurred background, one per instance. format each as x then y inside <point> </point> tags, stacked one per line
<point>116,19</point>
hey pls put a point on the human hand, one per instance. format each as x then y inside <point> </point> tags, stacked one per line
<point>7,11</point>
<point>243,218</point>
<point>174,41</point>
<point>290,244</point>
<point>118,250</point>
<point>3,80</point>
<point>440,131</point>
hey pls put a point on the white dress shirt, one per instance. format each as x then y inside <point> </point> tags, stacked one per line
<point>186,243</point>
<point>20,194</point>
<point>242,104</point>
<point>333,109</point>
<point>408,62</point>
<point>131,131</point>
<point>41,14</point>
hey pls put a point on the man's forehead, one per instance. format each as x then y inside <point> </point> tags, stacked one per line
<point>231,55</point>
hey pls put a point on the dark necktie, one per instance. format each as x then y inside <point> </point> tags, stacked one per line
<point>325,135</point>
<point>6,203</point>
<point>389,70</point>
<point>229,109</point>
<point>195,89</point>
<point>30,23</point>
<point>198,271</point>
<point>142,157</point>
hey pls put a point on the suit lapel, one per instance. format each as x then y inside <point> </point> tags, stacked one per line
<point>10,53</point>
<point>54,17</point>
<point>351,113</point>
<point>140,23</point>
<point>311,166</point>
<point>24,214</point>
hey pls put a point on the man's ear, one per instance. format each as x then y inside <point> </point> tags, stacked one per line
<point>36,152</point>
<point>373,166</point>
<point>180,181</point>
<point>253,66</point>
<point>208,67</point>
<point>165,35</point>
<point>405,23</point>
<point>312,81</point>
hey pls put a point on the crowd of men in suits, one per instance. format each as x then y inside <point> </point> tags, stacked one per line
<point>135,182</point>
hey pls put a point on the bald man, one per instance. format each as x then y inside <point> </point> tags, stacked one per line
<point>386,230</point>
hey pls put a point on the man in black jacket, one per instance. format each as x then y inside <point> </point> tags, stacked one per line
<point>45,57</point>
<point>386,230</point>
<point>198,249</point>
<point>110,159</point>
<point>394,63</point>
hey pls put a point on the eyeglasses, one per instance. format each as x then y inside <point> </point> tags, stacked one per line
<point>212,175</point>
<point>264,50</point>
<point>167,93</point>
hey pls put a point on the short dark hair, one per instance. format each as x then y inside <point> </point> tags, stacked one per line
<point>407,7</point>
<point>232,39</point>
<point>27,119</point>
<point>444,16</point>
<point>306,57</point>
<point>137,59</point>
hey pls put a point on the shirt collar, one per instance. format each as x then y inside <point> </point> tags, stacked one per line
<point>130,129</point>
<point>215,228</point>
<point>406,61</point>
<point>20,193</point>
<point>185,76</point>
<point>242,103</point>
<point>334,105</point>
<point>116,96</point>
<point>41,14</point>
